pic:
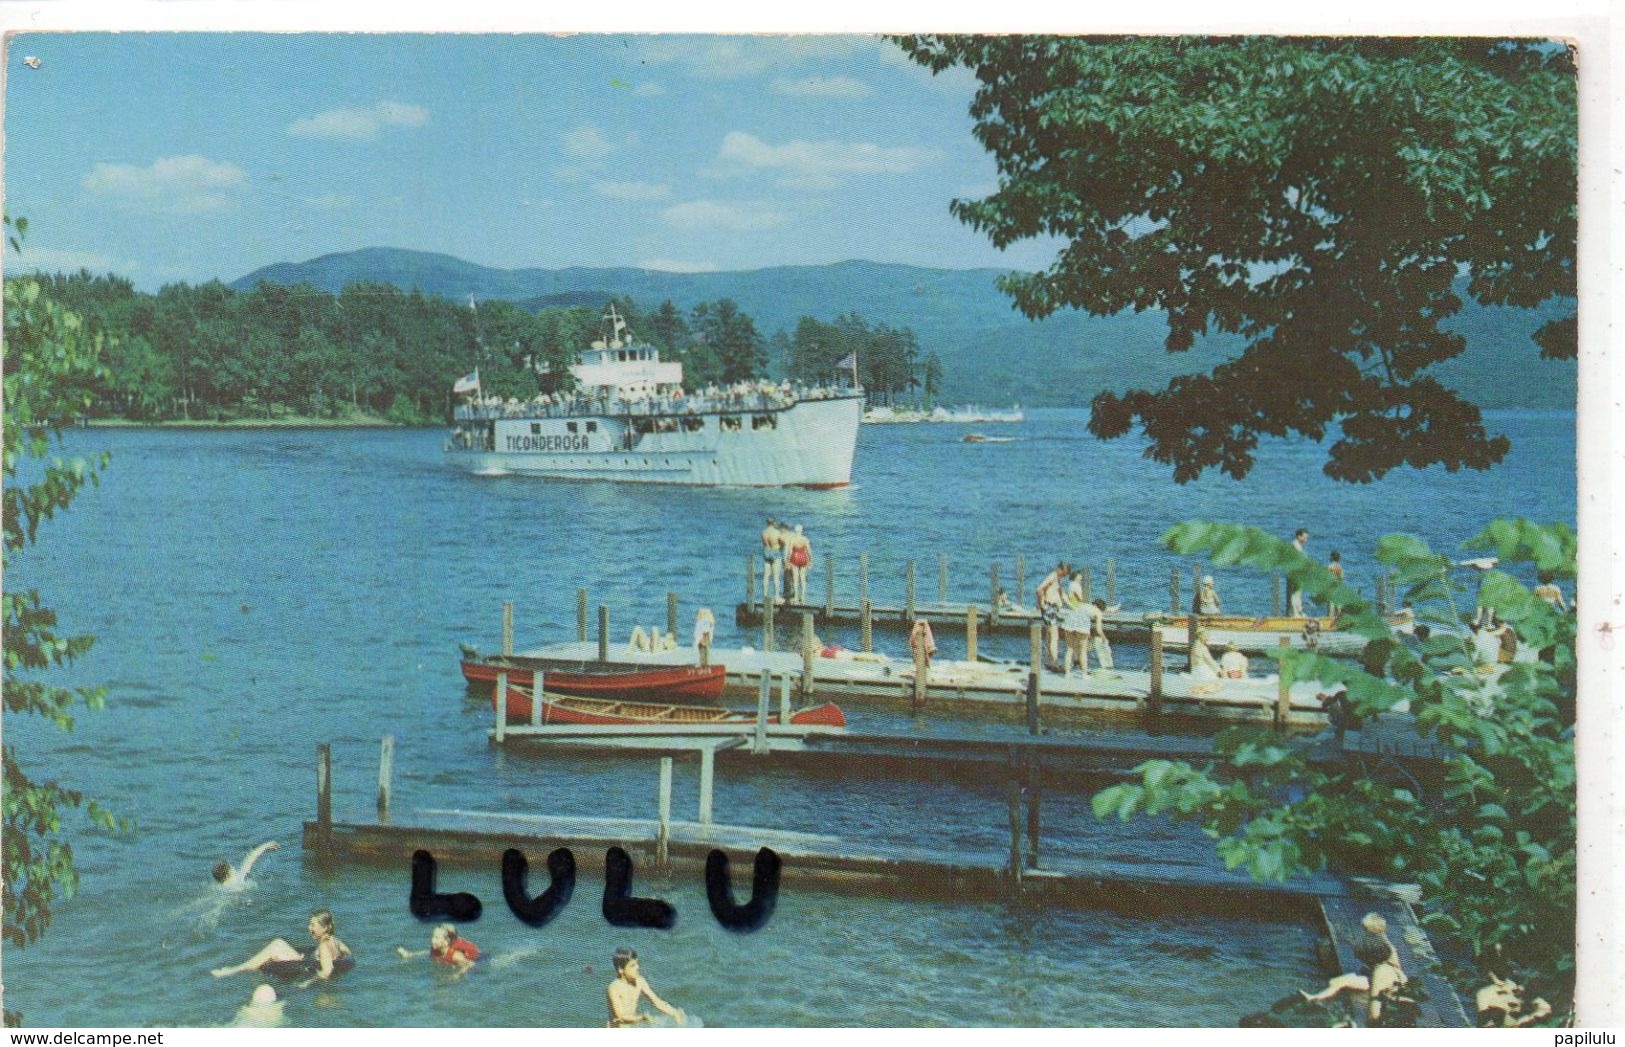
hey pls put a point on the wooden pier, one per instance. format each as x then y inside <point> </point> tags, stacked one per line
<point>667,846</point>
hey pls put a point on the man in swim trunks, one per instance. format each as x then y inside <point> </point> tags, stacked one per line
<point>1294,595</point>
<point>278,959</point>
<point>772,550</point>
<point>1051,605</point>
<point>629,989</point>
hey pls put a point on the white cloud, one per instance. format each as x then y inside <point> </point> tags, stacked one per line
<point>708,214</point>
<point>820,165</point>
<point>820,87</point>
<point>674,265</point>
<point>359,125</point>
<point>175,184</point>
<point>586,143</point>
<point>638,191</point>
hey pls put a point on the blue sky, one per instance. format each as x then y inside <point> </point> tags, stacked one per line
<point>168,157</point>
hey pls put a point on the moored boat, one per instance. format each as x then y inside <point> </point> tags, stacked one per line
<point>574,709</point>
<point>640,683</point>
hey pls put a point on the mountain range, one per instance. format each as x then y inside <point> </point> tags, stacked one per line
<point>990,353</point>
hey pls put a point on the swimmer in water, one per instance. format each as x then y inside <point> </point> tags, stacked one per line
<point>628,990</point>
<point>232,879</point>
<point>329,956</point>
<point>262,1011</point>
<point>448,947</point>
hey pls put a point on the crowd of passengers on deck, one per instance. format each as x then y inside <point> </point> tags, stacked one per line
<point>741,396</point>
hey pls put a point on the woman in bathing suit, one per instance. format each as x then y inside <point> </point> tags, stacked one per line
<point>326,958</point>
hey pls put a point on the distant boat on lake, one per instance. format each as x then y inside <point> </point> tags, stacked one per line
<point>630,418</point>
<point>973,414</point>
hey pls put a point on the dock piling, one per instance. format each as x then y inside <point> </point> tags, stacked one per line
<point>993,595</point>
<point>1088,584</point>
<point>538,689</point>
<point>770,611</point>
<point>671,615</point>
<point>1021,578</point>
<point>500,705</point>
<point>507,628</point>
<point>1013,800</point>
<point>863,576</point>
<point>807,654</point>
<point>908,609</point>
<point>1154,698</point>
<point>386,770</point>
<point>663,837</point>
<point>1196,586</point>
<point>1111,581</point>
<point>708,777</point>
<point>1036,649</point>
<point>603,632</point>
<point>581,616</point>
<point>758,743</point>
<point>866,628</point>
<point>324,794</point>
<point>1275,595</point>
<point>970,632</point>
<point>1034,796</point>
<point>784,700</point>
<point>942,578</point>
<point>750,580</point>
<point>1283,688</point>
<point>1173,591</point>
<point>829,587</point>
<point>921,669</point>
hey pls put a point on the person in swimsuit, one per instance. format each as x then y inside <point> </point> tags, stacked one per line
<point>1233,664</point>
<point>705,627</point>
<point>231,879</point>
<point>1051,605</point>
<point>629,989</point>
<point>1335,566</point>
<point>1102,646</point>
<point>1202,665</point>
<point>328,957</point>
<point>1076,624</point>
<point>1549,591</point>
<point>772,547</point>
<point>1384,984</point>
<point>1294,595</point>
<point>799,558</point>
<point>448,947</point>
<point>1207,597</point>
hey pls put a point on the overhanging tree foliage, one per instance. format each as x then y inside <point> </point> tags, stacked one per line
<point>52,367</point>
<point>1326,199</point>
<point>1490,833</point>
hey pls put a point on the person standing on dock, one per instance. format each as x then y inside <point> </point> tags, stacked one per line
<point>705,627</point>
<point>1294,595</point>
<point>1076,624</point>
<point>772,549</point>
<point>799,559</point>
<point>1335,565</point>
<point>1102,646</point>
<point>1051,605</point>
<point>629,989</point>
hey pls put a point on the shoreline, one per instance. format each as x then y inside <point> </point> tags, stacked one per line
<point>291,422</point>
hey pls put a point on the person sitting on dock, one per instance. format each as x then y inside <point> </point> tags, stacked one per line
<point>629,989</point>
<point>1051,605</point>
<point>231,879</point>
<point>705,627</point>
<point>1389,1003</point>
<point>1233,664</point>
<point>1207,597</point>
<point>1203,666</point>
<point>448,947</point>
<point>1500,1005</point>
<point>278,959</point>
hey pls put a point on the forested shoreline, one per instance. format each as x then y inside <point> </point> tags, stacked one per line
<point>375,354</point>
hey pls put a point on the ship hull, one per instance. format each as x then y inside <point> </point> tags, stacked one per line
<point>808,444</point>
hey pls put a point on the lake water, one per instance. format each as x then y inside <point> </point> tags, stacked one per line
<point>256,593</point>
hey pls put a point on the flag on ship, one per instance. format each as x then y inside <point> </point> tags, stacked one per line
<point>469,383</point>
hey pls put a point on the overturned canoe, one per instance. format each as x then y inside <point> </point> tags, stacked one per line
<point>574,709</point>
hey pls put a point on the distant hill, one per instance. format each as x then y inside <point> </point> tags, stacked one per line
<point>991,354</point>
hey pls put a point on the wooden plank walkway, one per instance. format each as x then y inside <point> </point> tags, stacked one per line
<point>1125,627</point>
<point>1442,1008</point>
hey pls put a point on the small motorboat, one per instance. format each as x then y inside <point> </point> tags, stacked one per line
<point>626,682</point>
<point>574,709</point>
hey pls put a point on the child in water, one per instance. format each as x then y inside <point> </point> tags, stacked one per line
<point>628,990</point>
<point>447,947</point>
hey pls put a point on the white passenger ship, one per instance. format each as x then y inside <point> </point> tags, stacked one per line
<point>630,418</point>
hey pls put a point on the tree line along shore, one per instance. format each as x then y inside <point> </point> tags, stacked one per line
<point>375,355</point>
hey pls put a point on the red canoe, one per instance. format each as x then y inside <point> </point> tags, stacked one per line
<point>565,708</point>
<point>653,683</point>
